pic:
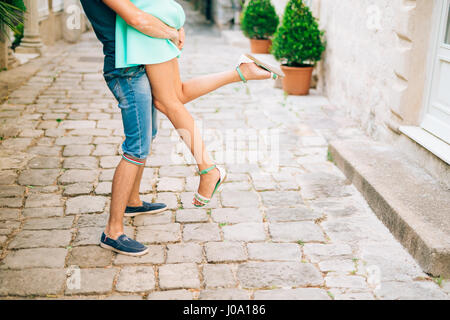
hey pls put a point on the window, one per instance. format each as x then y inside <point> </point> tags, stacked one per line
<point>447,36</point>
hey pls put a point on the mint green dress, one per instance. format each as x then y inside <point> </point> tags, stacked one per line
<point>134,48</point>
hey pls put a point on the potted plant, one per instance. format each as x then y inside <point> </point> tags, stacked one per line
<point>11,15</point>
<point>298,44</point>
<point>259,21</point>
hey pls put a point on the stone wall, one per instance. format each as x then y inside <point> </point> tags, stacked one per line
<point>374,65</point>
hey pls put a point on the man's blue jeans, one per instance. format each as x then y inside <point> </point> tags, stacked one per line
<point>132,90</point>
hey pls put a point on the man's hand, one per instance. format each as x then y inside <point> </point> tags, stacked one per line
<point>175,38</point>
<point>142,21</point>
<point>182,37</point>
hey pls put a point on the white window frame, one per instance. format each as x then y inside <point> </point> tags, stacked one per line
<point>427,122</point>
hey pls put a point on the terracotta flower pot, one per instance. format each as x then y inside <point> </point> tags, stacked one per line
<point>260,46</point>
<point>297,80</point>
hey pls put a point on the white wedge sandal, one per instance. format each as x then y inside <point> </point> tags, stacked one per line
<point>275,71</point>
<point>203,200</point>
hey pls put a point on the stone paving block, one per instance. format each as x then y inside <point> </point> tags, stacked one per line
<point>184,252</point>
<point>48,223</point>
<point>356,229</point>
<point>274,251</point>
<point>299,213</point>
<point>154,256</point>
<point>38,177</point>
<point>35,258</point>
<point>136,279</point>
<point>182,294</point>
<point>77,124</point>
<point>176,171</point>
<point>225,251</point>
<point>89,257</point>
<point>282,274</point>
<point>90,236</point>
<point>281,198</point>
<point>45,151</point>
<point>43,212</point>
<point>9,214</point>
<point>105,150</point>
<point>80,163</point>
<point>7,177</point>
<point>107,174</point>
<point>236,215</point>
<point>73,140</point>
<point>179,276</point>
<point>246,231</point>
<point>340,294</point>
<point>417,290</point>
<point>239,199</point>
<point>292,294</point>
<point>104,188</point>
<point>164,217</point>
<point>295,231</point>
<point>42,189</point>
<point>41,238</point>
<point>107,162</point>
<point>11,191</point>
<point>77,150</point>
<point>44,163</point>
<point>392,261</point>
<point>92,220</point>
<point>322,185</point>
<point>85,204</point>
<point>343,281</point>
<point>170,184</point>
<point>77,175</point>
<point>7,227</point>
<point>93,281</point>
<point>218,275</point>
<point>224,294</point>
<point>191,215</point>
<point>40,282</point>
<point>345,266</point>
<point>11,202</point>
<point>38,200</point>
<point>201,232</point>
<point>317,252</point>
<point>77,189</point>
<point>159,233</point>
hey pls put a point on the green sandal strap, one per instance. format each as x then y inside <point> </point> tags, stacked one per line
<point>207,170</point>
<point>241,75</point>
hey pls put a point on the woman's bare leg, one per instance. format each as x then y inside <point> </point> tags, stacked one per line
<point>170,94</point>
<point>163,78</point>
<point>197,87</point>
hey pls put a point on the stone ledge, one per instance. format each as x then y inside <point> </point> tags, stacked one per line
<point>405,198</point>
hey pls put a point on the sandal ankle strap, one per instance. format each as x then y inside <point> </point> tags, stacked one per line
<point>207,170</point>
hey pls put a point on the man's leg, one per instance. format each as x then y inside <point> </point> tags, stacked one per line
<point>134,200</point>
<point>124,182</point>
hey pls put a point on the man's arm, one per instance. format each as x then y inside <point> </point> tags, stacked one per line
<point>142,21</point>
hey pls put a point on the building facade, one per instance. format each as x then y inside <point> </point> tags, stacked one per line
<point>387,63</point>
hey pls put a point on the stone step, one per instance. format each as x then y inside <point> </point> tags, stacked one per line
<point>413,205</point>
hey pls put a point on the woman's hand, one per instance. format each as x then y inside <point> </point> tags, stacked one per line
<point>181,38</point>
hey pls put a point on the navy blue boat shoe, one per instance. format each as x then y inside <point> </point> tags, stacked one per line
<point>123,245</point>
<point>146,207</point>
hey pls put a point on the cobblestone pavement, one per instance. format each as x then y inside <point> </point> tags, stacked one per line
<point>300,232</point>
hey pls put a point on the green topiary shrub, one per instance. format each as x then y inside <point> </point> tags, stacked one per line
<point>259,19</point>
<point>298,42</point>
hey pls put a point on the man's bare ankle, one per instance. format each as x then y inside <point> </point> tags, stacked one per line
<point>134,203</point>
<point>113,234</point>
